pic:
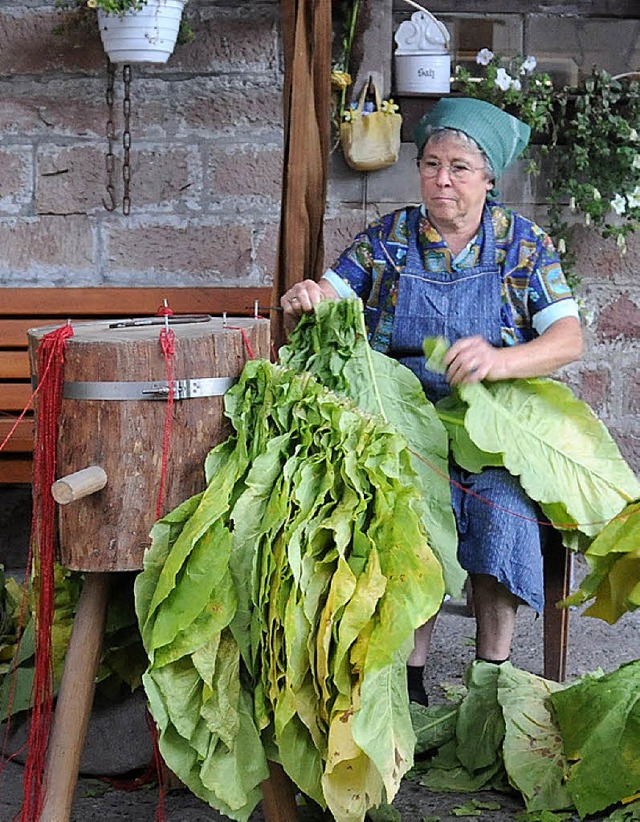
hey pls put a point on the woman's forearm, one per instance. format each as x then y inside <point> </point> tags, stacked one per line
<point>559,345</point>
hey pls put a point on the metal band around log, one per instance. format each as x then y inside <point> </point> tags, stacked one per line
<point>158,390</point>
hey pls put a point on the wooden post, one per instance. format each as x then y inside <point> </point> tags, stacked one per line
<point>278,796</point>
<point>75,699</point>
<point>557,583</point>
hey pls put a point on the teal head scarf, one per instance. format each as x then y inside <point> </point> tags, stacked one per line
<point>501,136</point>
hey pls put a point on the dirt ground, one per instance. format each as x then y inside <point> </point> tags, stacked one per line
<point>592,644</point>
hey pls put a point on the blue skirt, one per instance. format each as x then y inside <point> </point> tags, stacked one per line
<point>495,542</point>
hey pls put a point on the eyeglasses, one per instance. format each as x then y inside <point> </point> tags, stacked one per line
<point>457,170</point>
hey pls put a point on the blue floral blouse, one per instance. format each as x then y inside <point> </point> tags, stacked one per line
<point>534,290</point>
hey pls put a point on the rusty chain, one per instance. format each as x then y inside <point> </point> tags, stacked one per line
<point>126,140</point>
<point>110,160</point>
<point>110,205</point>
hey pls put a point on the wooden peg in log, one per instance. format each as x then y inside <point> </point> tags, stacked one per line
<point>79,484</point>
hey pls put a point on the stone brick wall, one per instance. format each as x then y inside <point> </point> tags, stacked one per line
<point>206,134</point>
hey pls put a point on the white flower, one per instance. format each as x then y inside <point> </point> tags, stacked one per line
<point>528,65</point>
<point>562,246</point>
<point>633,134</point>
<point>621,242</point>
<point>587,219</point>
<point>619,204</point>
<point>503,79</point>
<point>633,199</point>
<point>484,57</point>
<point>516,85</point>
<point>572,204</point>
<point>636,161</point>
<point>596,194</point>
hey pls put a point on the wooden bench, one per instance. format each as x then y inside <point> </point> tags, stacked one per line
<point>24,308</point>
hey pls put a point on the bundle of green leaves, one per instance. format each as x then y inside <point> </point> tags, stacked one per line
<point>278,607</point>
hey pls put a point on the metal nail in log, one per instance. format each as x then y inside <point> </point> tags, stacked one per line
<point>109,465</point>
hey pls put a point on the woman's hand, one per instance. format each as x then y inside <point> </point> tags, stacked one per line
<point>302,297</point>
<point>472,359</point>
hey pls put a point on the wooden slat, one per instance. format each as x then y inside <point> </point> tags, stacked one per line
<point>14,365</point>
<point>15,395</point>
<point>15,470</point>
<point>122,302</point>
<point>21,441</point>
<point>13,333</point>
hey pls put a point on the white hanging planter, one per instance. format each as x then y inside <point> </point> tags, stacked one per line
<point>144,36</point>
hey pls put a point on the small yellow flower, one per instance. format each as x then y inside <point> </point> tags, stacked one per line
<point>92,4</point>
<point>389,107</point>
<point>339,79</point>
<point>347,116</point>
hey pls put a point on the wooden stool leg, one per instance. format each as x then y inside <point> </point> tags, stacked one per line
<point>557,583</point>
<point>75,699</point>
<point>278,796</point>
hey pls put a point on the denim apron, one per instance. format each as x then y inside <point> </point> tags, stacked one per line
<point>458,304</point>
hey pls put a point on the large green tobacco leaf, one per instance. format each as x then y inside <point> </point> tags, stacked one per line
<point>599,720</point>
<point>480,716</point>
<point>532,748</point>
<point>564,456</point>
<point>614,576</point>
<point>291,586</point>
<point>331,344</point>
<point>465,452</point>
<point>562,453</point>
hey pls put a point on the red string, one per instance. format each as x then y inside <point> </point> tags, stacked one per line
<point>168,344</point>
<point>50,360</point>
<point>569,526</point>
<point>159,766</point>
<point>25,587</point>
<point>245,338</point>
<point>43,378</point>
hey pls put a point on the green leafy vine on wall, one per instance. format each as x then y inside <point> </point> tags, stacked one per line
<point>590,133</point>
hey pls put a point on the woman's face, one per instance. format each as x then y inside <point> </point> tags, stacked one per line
<point>453,183</point>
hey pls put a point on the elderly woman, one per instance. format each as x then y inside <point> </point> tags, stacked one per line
<point>465,267</point>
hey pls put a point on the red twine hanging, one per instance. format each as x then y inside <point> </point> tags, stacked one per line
<point>50,369</point>
<point>168,344</point>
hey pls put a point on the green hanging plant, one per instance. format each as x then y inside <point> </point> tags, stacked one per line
<point>596,168</point>
<point>590,133</point>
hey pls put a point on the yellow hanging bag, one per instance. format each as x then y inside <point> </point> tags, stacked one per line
<point>370,139</point>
